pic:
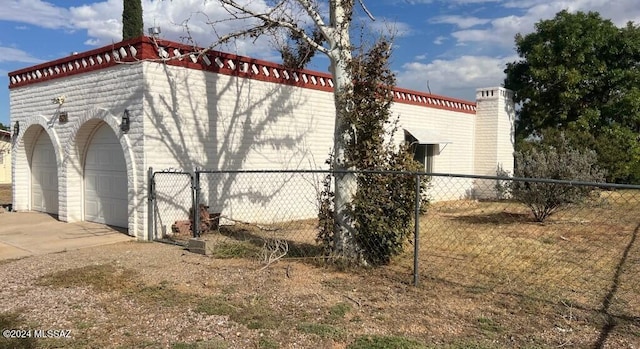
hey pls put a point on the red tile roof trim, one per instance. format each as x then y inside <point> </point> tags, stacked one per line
<point>176,54</point>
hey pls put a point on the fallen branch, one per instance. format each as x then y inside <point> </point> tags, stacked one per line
<point>261,227</point>
<point>353,300</point>
<point>273,250</point>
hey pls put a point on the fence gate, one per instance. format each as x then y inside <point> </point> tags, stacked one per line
<point>170,203</point>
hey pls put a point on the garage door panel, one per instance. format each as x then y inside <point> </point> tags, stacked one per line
<point>44,176</point>
<point>38,199</point>
<point>105,177</point>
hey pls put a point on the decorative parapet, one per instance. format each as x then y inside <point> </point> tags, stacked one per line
<point>228,64</point>
<point>433,101</point>
<point>173,53</point>
<point>493,93</point>
<point>123,52</point>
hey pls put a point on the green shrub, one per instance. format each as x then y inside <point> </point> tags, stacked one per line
<point>563,163</point>
<point>381,213</point>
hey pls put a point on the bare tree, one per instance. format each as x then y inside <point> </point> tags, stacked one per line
<point>301,18</point>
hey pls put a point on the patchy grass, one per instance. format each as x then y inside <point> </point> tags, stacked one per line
<point>489,325</point>
<point>385,342</point>
<point>490,278</point>
<point>321,330</point>
<point>267,343</point>
<point>253,313</point>
<point>14,320</point>
<point>498,246</point>
<point>216,306</point>
<point>234,249</point>
<point>103,278</point>
<point>209,344</point>
<point>338,311</point>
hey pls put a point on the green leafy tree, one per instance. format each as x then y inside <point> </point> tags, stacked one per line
<point>578,75</point>
<point>132,24</point>
<point>3,127</point>
<point>382,209</point>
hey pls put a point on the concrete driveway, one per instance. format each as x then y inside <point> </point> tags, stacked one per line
<point>25,234</point>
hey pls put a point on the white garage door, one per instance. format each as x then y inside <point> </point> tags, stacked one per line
<point>44,176</point>
<point>105,180</point>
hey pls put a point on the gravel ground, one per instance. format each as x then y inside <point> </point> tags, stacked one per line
<point>151,296</point>
<point>93,316</point>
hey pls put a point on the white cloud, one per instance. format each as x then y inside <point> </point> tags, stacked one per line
<point>501,30</point>
<point>464,2</point>
<point>9,54</point>
<point>439,40</point>
<point>102,20</point>
<point>620,12</point>
<point>35,12</point>
<point>194,19</point>
<point>456,78</point>
<point>460,21</point>
<point>449,2</point>
<point>384,26</point>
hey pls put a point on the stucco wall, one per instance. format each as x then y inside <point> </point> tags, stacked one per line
<point>454,157</point>
<point>5,160</point>
<point>204,120</point>
<point>495,135</point>
<point>197,119</point>
<point>89,99</point>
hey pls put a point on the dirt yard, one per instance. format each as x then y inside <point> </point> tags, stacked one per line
<point>149,295</point>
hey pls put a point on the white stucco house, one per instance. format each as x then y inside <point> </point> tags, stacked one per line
<point>90,125</point>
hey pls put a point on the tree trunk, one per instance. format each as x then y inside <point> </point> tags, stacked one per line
<point>345,184</point>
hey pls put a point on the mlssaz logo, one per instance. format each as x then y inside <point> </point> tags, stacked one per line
<point>52,334</point>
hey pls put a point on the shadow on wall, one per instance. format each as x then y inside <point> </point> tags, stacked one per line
<point>238,124</point>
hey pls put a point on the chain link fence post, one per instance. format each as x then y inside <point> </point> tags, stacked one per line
<point>416,242</point>
<point>150,205</point>
<point>196,202</point>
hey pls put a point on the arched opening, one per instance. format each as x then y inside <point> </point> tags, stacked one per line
<point>105,179</point>
<point>44,175</point>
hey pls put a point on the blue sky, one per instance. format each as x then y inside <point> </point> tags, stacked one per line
<point>450,47</point>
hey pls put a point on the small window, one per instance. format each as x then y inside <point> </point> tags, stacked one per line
<point>424,154</point>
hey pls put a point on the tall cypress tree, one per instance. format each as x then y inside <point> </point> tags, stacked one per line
<point>132,25</point>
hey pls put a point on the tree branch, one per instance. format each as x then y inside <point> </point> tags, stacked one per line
<point>366,10</point>
<point>316,17</point>
<point>270,23</point>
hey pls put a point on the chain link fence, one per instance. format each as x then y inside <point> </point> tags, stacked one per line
<point>473,232</point>
<point>262,215</point>
<point>171,205</point>
<point>585,253</point>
